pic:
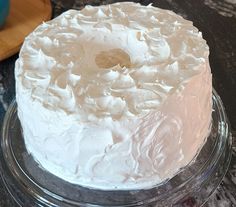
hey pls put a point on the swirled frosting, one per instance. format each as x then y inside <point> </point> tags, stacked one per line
<point>115,96</point>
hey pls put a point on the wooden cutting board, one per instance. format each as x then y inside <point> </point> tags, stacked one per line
<point>24,17</point>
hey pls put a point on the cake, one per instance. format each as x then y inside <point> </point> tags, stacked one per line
<point>114,97</point>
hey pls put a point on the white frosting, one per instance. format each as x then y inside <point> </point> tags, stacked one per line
<point>116,96</point>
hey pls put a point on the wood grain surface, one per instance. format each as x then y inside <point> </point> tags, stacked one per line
<point>24,17</point>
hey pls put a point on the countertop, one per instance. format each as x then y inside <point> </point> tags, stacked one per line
<point>217,21</point>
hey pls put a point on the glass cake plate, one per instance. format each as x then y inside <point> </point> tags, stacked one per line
<point>30,185</point>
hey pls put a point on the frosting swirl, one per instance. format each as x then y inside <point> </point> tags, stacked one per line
<point>123,56</point>
<point>120,95</point>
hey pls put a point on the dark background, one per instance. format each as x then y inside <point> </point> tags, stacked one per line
<point>216,19</point>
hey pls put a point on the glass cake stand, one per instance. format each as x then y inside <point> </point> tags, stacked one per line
<point>30,185</point>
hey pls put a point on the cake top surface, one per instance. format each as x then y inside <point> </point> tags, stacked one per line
<point>115,61</point>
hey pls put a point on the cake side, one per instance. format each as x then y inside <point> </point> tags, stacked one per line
<point>108,100</point>
<point>145,152</point>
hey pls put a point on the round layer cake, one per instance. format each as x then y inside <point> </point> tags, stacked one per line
<point>115,96</point>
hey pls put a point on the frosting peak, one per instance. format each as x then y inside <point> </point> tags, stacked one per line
<point>126,52</point>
